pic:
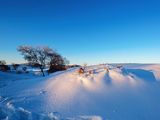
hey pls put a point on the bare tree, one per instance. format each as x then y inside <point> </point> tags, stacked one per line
<point>36,55</point>
<point>42,56</point>
<point>2,62</point>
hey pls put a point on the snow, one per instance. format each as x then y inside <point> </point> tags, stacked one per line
<point>129,93</point>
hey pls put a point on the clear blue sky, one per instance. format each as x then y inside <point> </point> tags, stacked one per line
<point>85,31</point>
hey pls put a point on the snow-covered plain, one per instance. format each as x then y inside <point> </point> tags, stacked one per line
<point>130,93</point>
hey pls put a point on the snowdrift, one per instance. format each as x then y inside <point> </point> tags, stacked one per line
<point>131,92</point>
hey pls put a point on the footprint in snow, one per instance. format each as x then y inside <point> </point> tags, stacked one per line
<point>42,92</point>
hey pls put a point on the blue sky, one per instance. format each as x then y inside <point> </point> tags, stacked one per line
<point>84,31</point>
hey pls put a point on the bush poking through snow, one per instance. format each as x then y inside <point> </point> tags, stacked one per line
<point>81,71</point>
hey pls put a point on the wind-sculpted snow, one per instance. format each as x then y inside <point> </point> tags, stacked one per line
<point>152,68</point>
<point>9,112</point>
<point>128,93</point>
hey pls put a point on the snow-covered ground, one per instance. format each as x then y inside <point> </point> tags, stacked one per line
<point>130,93</point>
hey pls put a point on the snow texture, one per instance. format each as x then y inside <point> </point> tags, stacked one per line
<point>127,93</point>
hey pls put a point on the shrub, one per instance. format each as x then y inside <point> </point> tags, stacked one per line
<point>81,71</point>
<point>15,66</point>
<point>55,68</point>
<point>24,69</point>
<point>4,68</point>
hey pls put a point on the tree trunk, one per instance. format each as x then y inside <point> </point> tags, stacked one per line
<point>42,71</point>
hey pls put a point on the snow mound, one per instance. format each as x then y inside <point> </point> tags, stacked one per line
<point>131,92</point>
